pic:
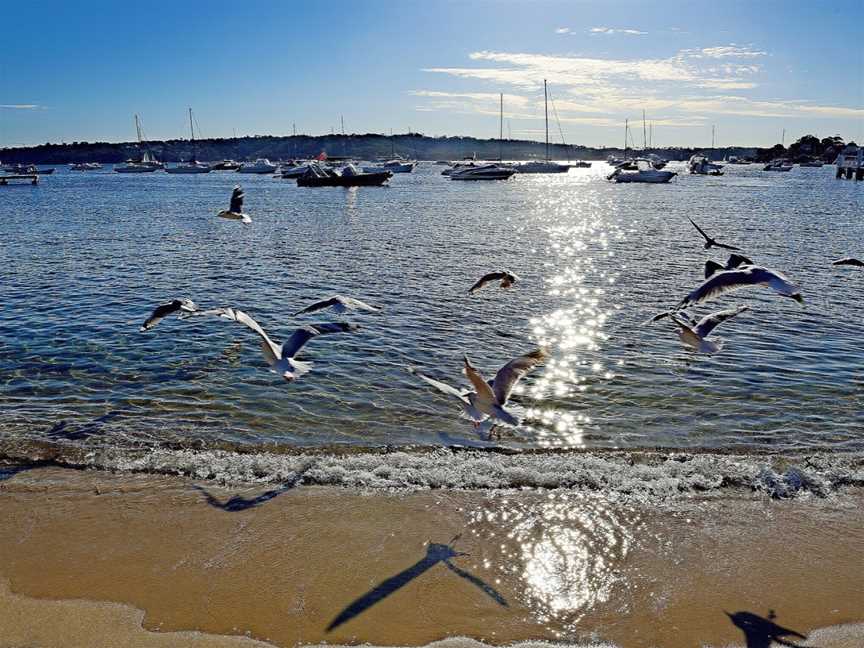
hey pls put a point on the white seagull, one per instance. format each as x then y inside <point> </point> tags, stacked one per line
<point>734,261</point>
<point>235,209</point>
<point>164,310</point>
<point>741,277</point>
<point>693,334</point>
<point>339,304</point>
<point>280,357</point>
<point>506,277</point>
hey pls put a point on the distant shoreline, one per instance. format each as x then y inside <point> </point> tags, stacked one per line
<point>368,146</point>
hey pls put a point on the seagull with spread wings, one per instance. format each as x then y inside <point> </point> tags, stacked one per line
<point>339,304</point>
<point>235,209</point>
<point>741,277</point>
<point>734,261</point>
<point>506,278</point>
<point>281,357</point>
<point>164,310</point>
<point>693,334</point>
<point>710,242</point>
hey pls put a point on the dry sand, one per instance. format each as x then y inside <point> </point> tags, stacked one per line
<point>94,559</point>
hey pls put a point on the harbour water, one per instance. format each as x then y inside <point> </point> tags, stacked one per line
<point>85,257</point>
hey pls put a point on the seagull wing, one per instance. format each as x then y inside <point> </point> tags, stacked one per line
<point>355,304</point>
<point>704,235</point>
<point>509,374</point>
<point>737,260</point>
<point>712,321</point>
<point>482,281</point>
<point>326,303</point>
<point>485,395</point>
<point>237,200</point>
<point>849,261</point>
<point>305,333</point>
<point>730,280</point>
<point>712,267</point>
<point>444,388</point>
<point>270,348</point>
<point>163,310</point>
<point>726,247</point>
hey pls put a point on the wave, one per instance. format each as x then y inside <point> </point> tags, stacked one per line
<point>652,474</point>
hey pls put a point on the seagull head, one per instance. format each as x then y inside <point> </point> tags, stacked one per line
<point>797,297</point>
<point>289,376</point>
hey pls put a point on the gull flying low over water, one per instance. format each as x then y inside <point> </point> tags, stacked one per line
<point>849,261</point>
<point>235,209</point>
<point>710,242</point>
<point>164,310</point>
<point>741,277</point>
<point>734,261</point>
<point>280,357</point>
<point>506,277</point>
<point>485,405</point>
<point>693,334</point>
<point>340,305</point>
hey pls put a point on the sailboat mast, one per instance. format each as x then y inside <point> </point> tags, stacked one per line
<point>191,129</point>
<point>626,129</point>
<point>644,131</point>
<point>501,129</point>
<point>137,129</point>
<point>546,110</point>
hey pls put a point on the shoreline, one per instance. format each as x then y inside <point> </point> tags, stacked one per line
<point>302,565</point>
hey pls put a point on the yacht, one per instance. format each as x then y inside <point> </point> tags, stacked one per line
<point>780,164</point>
<point>85,166</point>
<point>701,165</point>
<point>645,172</point>
<point>146,163</point>
<point>538,166</point>
<point>225,165</point>
<point>483,172</point>
<point>193,165</point>
<point>261,165</point>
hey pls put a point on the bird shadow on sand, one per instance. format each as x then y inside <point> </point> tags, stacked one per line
<point>77,431</point>
<point>237,503</point>
<point>8,471</point>
<point>435,553</point>
<point>761,632</point>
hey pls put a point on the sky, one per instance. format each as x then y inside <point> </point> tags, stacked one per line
<point>78,71</point>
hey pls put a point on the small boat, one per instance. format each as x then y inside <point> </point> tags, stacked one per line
<point>459,166</point>
<point>780,164</point>
<point>85,166</point>
<point>538,166</point>
<point>394,166</point>
<point>192,166</point>
<point>581,164</point>
<point>294,172</point>
<point>261,165</point>
<point>701,165</point>
<point>135,167</point>
<point>483,172</point>
<point>320,176</point>
<point>812,163</point>
<point>27,169</point>
<point>146,163</point>
<point>225,165</point>
<point>645,172</point>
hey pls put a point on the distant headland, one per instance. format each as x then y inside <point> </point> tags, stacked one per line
<point>372,146</point>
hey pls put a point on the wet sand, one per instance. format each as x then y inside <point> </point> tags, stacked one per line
<point>93,559</point>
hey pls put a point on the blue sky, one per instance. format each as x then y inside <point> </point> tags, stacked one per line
<point>78,71</point>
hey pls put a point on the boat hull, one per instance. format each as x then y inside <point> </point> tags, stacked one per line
<point>660,177</point>
<point>142,169</point>
<point>360,180</point>
<point>187,170</point>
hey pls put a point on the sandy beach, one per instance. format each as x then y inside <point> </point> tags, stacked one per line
<point>93,558</point>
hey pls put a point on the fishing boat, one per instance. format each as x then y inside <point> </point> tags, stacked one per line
<point>645,172</point>
<point>545,166</point>
<point>146,163</point>
<point>779,164</point>
<point>192,166</point>
<point>483,172</point>
<point>318,175</point>
<point>261,165</point>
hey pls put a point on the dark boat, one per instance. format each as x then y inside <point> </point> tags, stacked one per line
<point>318,176</point>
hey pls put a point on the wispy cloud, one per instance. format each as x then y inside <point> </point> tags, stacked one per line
<point>562,30</point>
<point>609,31</point>
<point>20,106</point>
<point>727,51</point>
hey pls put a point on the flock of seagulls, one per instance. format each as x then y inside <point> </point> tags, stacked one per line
<point>485,403</point>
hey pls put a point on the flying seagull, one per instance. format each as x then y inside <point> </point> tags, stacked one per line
<point>340,305</point>
<point>506,277</point>
<point>849,261</point>
<point>235,209</point>
<point>728,280</point>
<point>693,333</point>
<point>490,398</point>
<point>280,357</point>
<point>734,261</point>
<point>164,310</point>
<point>462,397</point>
<point>710,242</point>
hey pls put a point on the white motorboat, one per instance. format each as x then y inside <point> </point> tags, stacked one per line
<point>459,166</point>
<point>393,166</point>
<point>261,165</point>
<point>538,166</point>
<point>292,172</point>
<point>701,165</point>
<point>85,166</point>
<point>645,172</point>
<point>135,167</point>
<point>780,164</point>
<point>484,172</point>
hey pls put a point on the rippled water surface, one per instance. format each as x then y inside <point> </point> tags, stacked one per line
<point>84,258</point>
